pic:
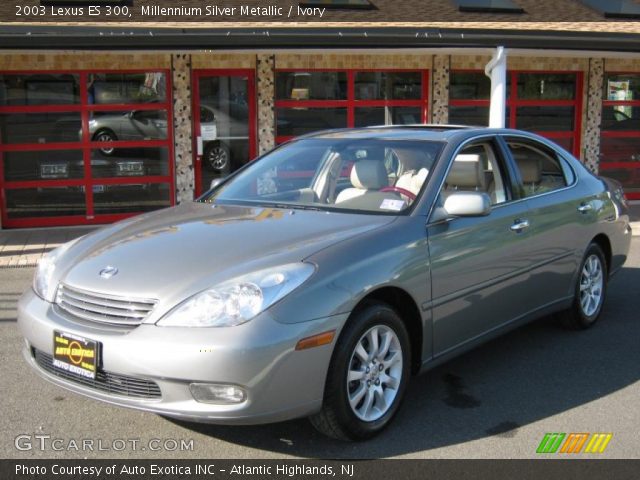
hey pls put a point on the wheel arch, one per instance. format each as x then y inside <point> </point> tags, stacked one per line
<point>405,305</point>
<point>605,245</point>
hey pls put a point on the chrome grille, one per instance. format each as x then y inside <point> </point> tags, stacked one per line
<point>104,382</point>
<point>103,308</point>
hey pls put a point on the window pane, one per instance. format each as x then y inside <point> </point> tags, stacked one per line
<point>128,126</point>
<point>39,89</point>
<point>622,87</point>
<point>40,127</point>
<point>468,115</point>
<point>51,165</point>
<point>545,119</point>
<point>298,121</point>
<point>621,117</point>
<point>130,162</point>
<point>109,88</point>
<point>388,85</point>
<point>545,86</point>
<point>566,143</point>
<point>130,198</point>
<point>368,116</point>
<point>45,202</point>
<point>620,149</point>
<point>539,167</point>
<point>628,177</point>
<point>311,85</point>
<point>469,86</point>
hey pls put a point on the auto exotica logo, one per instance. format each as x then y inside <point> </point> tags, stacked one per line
<point>574,442</point>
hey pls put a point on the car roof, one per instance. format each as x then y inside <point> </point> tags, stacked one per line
<point>430,132</point>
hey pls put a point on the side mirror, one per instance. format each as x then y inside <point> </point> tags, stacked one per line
<point>215,182</point>
<point>468,204</point>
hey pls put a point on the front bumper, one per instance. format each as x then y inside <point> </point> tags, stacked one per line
<point>260,356</point>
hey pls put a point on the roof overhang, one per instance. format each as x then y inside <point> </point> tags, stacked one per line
<point>43,37</point>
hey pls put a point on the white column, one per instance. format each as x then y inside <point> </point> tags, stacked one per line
<point>496,69</point>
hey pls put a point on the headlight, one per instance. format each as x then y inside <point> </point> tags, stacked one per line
<point>44,272</point>
<point>239,300</point>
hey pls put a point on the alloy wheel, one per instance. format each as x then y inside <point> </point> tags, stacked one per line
<point>591,285</point>
<point>375,373</point>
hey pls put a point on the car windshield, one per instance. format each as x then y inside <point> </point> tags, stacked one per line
<point>370,176</point>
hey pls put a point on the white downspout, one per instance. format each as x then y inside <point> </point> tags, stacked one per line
<point>496,70</point>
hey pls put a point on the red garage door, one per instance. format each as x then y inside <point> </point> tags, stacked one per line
<point>84,147</point>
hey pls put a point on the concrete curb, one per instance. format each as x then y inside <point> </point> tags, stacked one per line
<point>635,228</point>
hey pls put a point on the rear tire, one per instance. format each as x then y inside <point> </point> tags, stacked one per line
<point>590,291</point>
<point>367,376</point>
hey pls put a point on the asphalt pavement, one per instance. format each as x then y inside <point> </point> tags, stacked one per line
<point>497,401</point>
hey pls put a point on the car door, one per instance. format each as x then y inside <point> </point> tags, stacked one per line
<point>479,265</point>
<point>557,217</point>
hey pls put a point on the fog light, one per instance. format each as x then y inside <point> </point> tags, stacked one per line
<point>217,393</point>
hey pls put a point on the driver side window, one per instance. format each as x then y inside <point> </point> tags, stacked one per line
<point>476,168</point>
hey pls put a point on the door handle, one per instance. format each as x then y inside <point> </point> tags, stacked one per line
<point>585,208</point>
<point>519,225</point>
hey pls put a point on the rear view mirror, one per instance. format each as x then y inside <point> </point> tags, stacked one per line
<point>468,204</point>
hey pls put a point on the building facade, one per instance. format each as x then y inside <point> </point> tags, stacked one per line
<point>90,136</point>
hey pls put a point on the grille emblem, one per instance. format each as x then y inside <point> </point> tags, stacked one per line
<point>108,272</point>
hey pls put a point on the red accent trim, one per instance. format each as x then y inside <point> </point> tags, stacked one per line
<point>86,146</point>
<point>621,133</point>
<point>252,116</point>
<point>618,165</point>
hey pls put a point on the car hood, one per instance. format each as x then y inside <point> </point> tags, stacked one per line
<point>183,250</point>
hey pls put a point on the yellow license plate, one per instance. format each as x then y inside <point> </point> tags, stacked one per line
<point>75,354</point>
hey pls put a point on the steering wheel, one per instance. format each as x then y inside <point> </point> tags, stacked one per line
<point>400,190</point>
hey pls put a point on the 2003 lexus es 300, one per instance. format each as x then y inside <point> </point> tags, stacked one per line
<point>316,280</point>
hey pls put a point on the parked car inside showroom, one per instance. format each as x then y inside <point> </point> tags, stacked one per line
<point>259,303</point>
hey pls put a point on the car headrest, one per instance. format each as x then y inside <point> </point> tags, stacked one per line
<point>411,159</point>
<point>466,172</point>
<point>369,175</point>
<point>530,168</point>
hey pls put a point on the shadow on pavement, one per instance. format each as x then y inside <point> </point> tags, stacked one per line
<point>532,373</point>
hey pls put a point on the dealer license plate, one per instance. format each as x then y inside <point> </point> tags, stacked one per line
<point>75,354</point>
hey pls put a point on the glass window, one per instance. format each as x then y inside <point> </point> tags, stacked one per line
<point>620,149</point>
<point>335,174</point>
<point>40,127</point>
<point>50,165</point>
<point>45,202</point>
<point>130,162</point>
<point>113,88</point>
<point>368,116</point>
<point>311,85</point>
<point>476,168</point>
<point>130,198</point>
<point>388,85</point>
<point>547,86</point>
<point>621,117</point>
<point>621,87</point>
<point>540,168</point>
<point>469,86</point>
<point>488,6</point>
<point>628,177</point>
<point>545,119</point>
<point>298,121</point>
<point>128,126</point>
<point>39,89</point>
<point>615,8</point>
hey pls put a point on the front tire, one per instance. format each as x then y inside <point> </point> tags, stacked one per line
<point>590,291</point>
<point>105,135</point>
<point>367,376</point>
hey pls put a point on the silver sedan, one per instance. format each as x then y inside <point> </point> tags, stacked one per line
<point>318,279</point>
